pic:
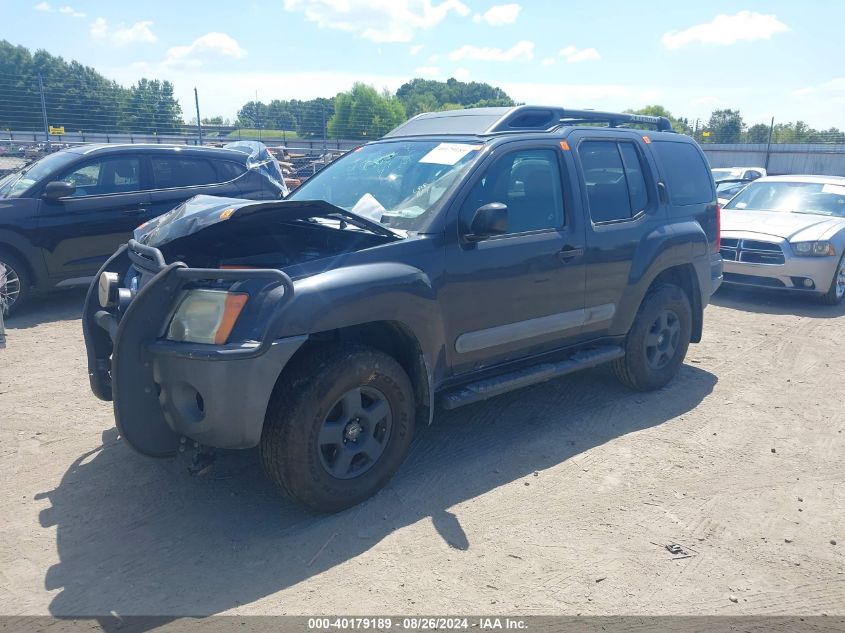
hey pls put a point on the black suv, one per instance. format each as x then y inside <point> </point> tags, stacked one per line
<point>465,254</point>
<point>63,216</point>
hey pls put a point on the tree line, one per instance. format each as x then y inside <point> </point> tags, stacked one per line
<point>78,97</point>
<point>81,99</point>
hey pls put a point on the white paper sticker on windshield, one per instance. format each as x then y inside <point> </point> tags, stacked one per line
<point>828,188</point>
<point>369,207</point>
<point>449,153</point>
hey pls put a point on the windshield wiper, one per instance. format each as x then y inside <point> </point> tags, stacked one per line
<point>363,223</point>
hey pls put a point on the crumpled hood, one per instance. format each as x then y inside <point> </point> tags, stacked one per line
<point>200,212</point>
<point>790,226</point>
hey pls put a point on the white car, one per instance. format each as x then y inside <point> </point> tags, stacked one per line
<point>738,173</point>
<point>788,233</point>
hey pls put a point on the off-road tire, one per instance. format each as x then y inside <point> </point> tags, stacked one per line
<point>829,298</point>
<point>634,369</point>
<point>301,401</point>
<point>24,279</point>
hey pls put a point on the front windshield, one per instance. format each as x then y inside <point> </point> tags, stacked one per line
<point>792,197</point>
<point>397,184</point>
<point>15,185</point>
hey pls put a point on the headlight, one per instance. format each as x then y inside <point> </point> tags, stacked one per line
<point>813,249</point>
<point>206,316</point>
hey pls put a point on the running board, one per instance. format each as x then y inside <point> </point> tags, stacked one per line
<point>483,389</point>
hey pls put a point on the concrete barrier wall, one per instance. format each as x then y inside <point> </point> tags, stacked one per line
<point>822,159</point>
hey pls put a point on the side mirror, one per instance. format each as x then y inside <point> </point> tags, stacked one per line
<point>58,189</point>
<point>489,220</point>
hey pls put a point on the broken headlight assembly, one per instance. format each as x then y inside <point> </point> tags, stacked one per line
<point>206,316</point>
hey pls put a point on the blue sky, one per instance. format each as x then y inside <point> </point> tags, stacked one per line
<point>770,58</point>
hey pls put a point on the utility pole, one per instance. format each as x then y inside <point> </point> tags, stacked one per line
<point>44,112</point>
<point>325,132</point>
<point>199,125</point>
<point>769,144</point>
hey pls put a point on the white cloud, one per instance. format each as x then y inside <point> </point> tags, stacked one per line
<point>745,26</point>
<point>523,50</point>
<point>574,55</point>
<point>461,74</point>
<point>122,35</point>
<point>377,20</point>
<point>414,50</point>
<point>209,45</point>
<point>833,88</point>
<point>66,10</point>
<point>499,15</point>
<point>548,61</point>
<point>427,71</point>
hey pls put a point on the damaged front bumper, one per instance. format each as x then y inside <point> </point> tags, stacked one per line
<point>162,390</point>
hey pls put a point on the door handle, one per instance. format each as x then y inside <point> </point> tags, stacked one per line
<point>568,253</point>
<point>137,210</point>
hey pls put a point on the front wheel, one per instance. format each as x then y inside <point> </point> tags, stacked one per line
<point>658,340</point>
<point>14,282</point>
<point>836,292</point>
<point>338,426</point>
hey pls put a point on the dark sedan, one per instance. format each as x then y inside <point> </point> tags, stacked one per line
<point>63,216</point>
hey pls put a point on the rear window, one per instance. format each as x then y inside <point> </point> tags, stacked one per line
<point>182,172</point>
<point>687,175</point>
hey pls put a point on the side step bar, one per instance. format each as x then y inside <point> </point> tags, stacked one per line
<point>483,389</point>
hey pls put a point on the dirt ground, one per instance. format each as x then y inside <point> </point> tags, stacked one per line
<point>557,499</point>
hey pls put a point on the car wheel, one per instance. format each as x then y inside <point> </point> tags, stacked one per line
<point>658,340</point>
<point>16,290</point>
<point>338,426</point>
<point>836,292</point>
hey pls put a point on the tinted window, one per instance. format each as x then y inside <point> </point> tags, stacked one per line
<point>687,175</point>
<point>528,182</point>
<point>635,176</point>
<point>227,170</point>
<point>109,175</point>
<point>607,187</point>
<point>182,172</point>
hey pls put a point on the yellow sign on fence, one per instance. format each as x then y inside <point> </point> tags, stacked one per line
<point>57,131</point>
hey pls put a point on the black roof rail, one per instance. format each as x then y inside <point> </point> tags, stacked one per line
<point>537,117</point>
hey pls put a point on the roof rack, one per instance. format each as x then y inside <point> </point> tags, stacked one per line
<point>495,120</point>
<point>533,117</point>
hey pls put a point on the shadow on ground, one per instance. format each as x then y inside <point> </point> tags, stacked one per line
<point>763,301</point>
<point>139,536</point>
<point>65,305</point>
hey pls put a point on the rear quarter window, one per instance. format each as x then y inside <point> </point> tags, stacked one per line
<point>228,170</point>
<point>687,174</point>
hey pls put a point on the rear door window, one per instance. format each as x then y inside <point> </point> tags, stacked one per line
<point>615,179</point>
<point>228,170</point>
<point>687,174</point>
<point>170,172</point>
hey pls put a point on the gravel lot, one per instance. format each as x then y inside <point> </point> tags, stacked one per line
<point>558,499</point>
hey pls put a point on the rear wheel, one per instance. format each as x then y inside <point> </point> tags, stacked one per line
<point>658,340</point>
<point>16,289</point>
<point>338,426</point>
<point>836,292</point>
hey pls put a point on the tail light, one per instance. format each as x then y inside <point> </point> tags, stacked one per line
<point>718,242</point>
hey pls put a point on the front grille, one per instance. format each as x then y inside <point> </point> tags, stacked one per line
<point>753,280</point>
<point>751,251</point>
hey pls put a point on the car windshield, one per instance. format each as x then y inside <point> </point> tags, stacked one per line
<point>792,197</point>
<point>397,183</point>
<point>722,174</point>
<point>15,185</point>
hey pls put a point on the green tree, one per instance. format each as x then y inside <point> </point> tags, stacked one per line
<point>364,113</point>
<point>427,95</point>
<point>758,133</point>
<point>725,126</point>
<point>253,114</point>
<point>152,108</point>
